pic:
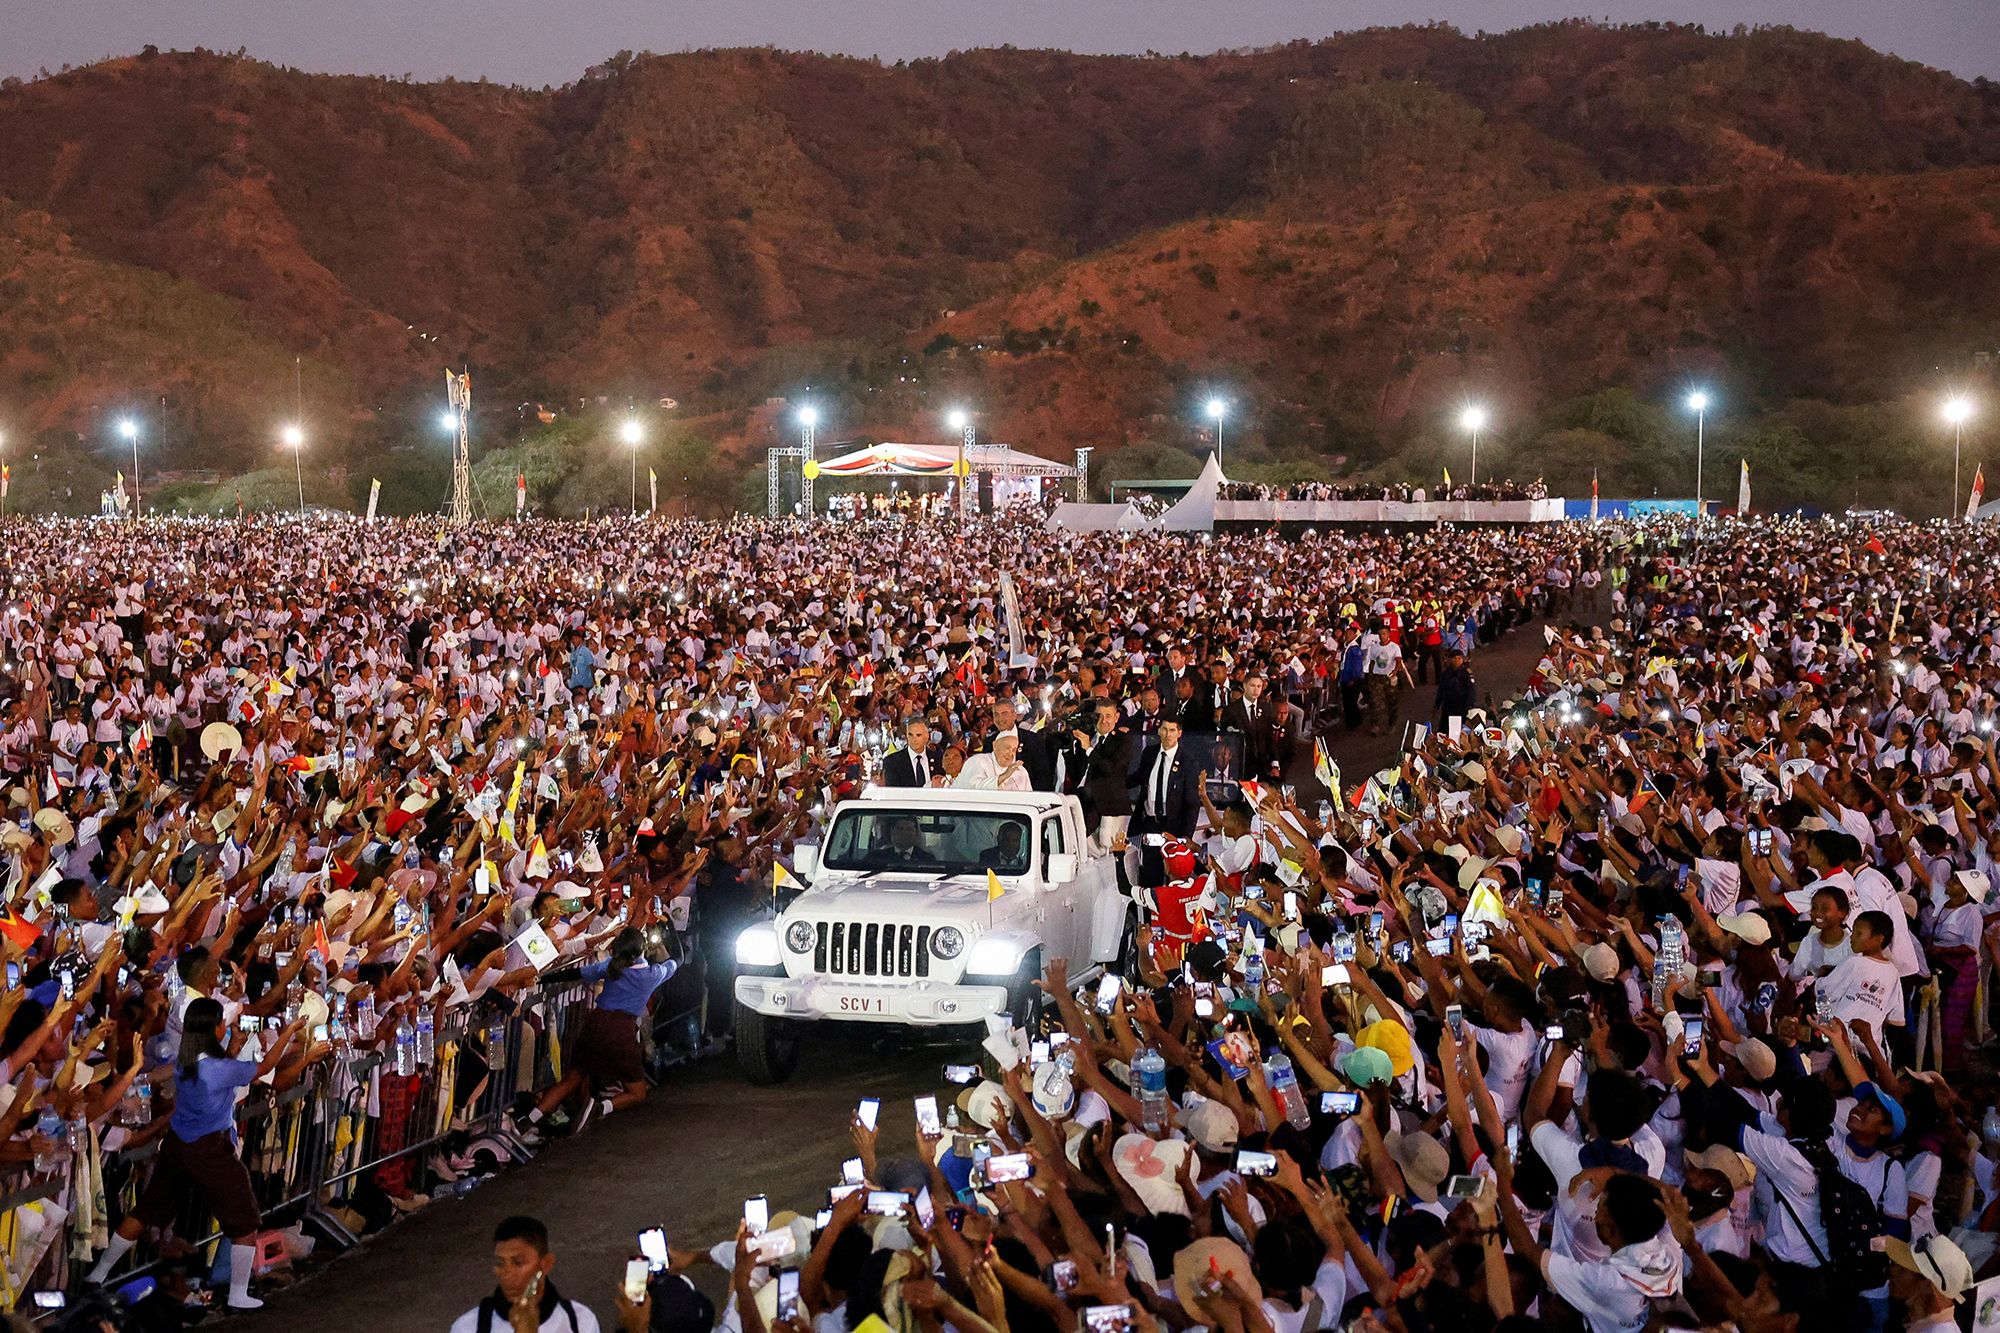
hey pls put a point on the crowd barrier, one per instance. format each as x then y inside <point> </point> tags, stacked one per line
<point>1389,511</point>
<point>327,1156</point>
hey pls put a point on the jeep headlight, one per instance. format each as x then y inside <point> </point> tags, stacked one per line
<point>947,941</point>
<point>758,947</point>
<point>992,957</point>
<point>800,937</point>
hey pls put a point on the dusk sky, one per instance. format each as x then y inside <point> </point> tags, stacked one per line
<point>551,41</point>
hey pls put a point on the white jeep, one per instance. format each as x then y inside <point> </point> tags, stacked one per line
<point>899,924</point>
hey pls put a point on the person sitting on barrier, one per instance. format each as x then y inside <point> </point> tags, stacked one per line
<point>198,1157</point>
<point>608,1058</point>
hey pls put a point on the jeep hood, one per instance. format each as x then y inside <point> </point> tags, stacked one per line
<point>930,897</point>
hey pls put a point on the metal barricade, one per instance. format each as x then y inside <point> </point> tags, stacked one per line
<point>351,1128</point>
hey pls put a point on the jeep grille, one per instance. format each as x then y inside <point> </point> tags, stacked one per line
<point>872,949</point>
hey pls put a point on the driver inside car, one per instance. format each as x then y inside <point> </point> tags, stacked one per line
<point>1009,854</point>
<point>906,846</point>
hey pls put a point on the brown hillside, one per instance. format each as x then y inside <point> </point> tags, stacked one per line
<point>1356,224</point>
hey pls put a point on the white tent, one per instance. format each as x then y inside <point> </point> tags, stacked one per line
<point>1195,511</point>
<point>1098,517</point>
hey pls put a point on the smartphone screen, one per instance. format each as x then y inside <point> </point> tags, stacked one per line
<point>757,1212</point>
<point>1400,951</point>
<point>248,1023</point>
<point>887,1203</point>
<point>850,1171</point>
<point>1339,1103</point>
<point>927,1115</point>
<point>653,1245</point>
<point>636,1273</point>
<point>1003,1167</point>
<point>868,1111</point>
<point>1462,1187</point>
<point>1250,1162</point>
<point>1376,923</point>
<point>1107,992</point>
<point>961,1074</point>
<point>1691,1030</point>
<point>1291,905</point>
<point>1062,1276</point>
<point>788,1294</point>
<point>1454,1016</point>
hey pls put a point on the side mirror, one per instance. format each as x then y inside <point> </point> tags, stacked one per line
<point>1062,867</point>
<point>805,860</point>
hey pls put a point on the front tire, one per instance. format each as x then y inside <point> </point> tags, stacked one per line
<point>767,1049</point>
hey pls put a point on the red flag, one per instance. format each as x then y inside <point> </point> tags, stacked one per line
<point>1875,545</point>
<point>23,933</point>
<point>6,475</point>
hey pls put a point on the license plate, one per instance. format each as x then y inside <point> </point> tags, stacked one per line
<point>863,1004</point>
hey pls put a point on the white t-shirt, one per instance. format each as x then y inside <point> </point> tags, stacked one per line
<point>557,1322</point>
<point>1863,989</point>
<point>1509,1058</point>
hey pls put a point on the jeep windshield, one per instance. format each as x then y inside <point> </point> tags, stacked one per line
<point>929,842</point>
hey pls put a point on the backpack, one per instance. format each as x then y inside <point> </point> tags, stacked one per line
<point>1852,1219</point>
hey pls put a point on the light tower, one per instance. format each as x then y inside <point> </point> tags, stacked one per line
<point>1957,411</point>
<point>1698,404</point>
<point>294,439</point>
<point>459,389</point>
<point>1474,419</point>
<point>961,421</point>
<point>808,419</point>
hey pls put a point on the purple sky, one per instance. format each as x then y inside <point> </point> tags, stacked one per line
<point>551,41</point>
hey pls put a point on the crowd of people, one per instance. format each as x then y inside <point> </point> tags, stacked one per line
<point>1397,492</point>
<point>1651,996</point>
<point>345,784</point>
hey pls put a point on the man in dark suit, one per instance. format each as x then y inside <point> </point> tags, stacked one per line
<point>914,765</point>
<point>1036,756</point>
<point>1168,682</point>
<point>1103,756</point>
<point>1165,800</point>
<point>1253,715</point>
<point>1203,714</point>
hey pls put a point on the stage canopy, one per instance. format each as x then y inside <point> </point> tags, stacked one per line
<point>937,460</point>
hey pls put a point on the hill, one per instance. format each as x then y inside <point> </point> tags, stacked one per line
<point>1347,235</point>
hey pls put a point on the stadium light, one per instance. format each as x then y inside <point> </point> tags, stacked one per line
<point>1957,411</point>
<point>1474,420</point>
<point>130,430</point>
<point>1698,404</point>
<point>632,433</point>
<point>449,422</point>
<point>1217,409</point>
<point>295,439</point>
<point>808,416</point>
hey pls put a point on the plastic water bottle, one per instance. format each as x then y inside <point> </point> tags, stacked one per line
<point>1667,961</point>
<point>336,1021</point>
<point>364,1018</point>
<point>79,1135</point>
<point>1989,1127</point>
<point>496,1043</point>
<point>145,1104</point>
<point>1326,814</point>
<point>49,1126</point>
<point>406,1048</point>
<point>1154,1107</point>
<point>426,1038</point>
<point>1284,1083</point>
